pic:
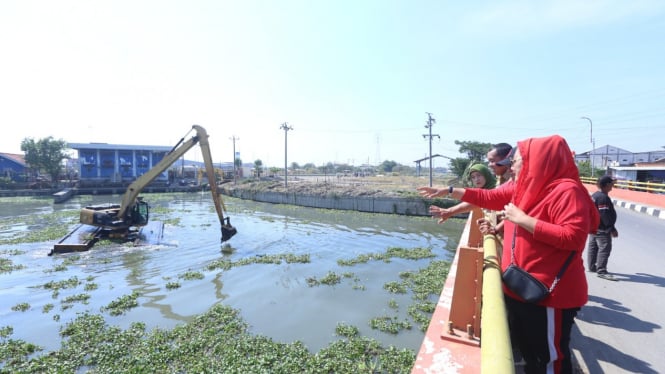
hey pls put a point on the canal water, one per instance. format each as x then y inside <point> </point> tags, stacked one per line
<point>276,300</point>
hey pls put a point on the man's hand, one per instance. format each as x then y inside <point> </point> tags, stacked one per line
<point>432,192</point>
<point>486,227</point>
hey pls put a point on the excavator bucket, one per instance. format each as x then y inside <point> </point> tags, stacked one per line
<point>227,230</point>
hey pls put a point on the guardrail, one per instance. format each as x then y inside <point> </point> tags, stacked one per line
<point>651,187</point>
<point>471,304</point>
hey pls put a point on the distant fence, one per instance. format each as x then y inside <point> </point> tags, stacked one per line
<point>651,187</point>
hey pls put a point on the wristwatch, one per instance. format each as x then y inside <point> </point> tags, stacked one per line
<point>450,190</point>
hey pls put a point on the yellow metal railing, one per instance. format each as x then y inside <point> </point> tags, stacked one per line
<point>495,349</point>
<point>652,187</point>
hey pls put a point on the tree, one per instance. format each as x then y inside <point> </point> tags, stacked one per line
<point>459,165</point>
<point>46,155</point>
<point>274,170</point>
<point>295,166</point>
<point>387,166</point>
<point>584,168</point>
<point>258,165</point>
<point>476,151</point>
<point>238,163</point>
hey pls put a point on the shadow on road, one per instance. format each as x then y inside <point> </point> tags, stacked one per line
<point>613,314</point>
<point>641,278</point>
<point>594,351</point>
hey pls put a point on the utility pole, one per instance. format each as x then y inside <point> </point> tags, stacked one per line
<point>430,121</point>
<point>285,126</point>
<point>235,173</point>
<point>593,142</point>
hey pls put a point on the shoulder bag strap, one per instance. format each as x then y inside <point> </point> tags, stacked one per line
<point>558,276</point>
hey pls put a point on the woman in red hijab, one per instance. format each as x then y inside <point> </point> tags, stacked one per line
<point>548,215</point>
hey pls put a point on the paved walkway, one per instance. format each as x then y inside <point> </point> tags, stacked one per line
<point>620,330</point>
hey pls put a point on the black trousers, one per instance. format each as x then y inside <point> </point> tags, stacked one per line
<point>542,335</point>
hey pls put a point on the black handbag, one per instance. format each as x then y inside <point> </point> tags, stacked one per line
<point>525,285</point>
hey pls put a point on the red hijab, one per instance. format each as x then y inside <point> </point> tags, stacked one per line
<point>547,162</point>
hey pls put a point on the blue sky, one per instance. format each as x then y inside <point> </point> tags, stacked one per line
<point>354,79</point>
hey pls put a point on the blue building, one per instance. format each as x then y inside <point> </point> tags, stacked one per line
<point>102,163</point>
<point>13,166</point>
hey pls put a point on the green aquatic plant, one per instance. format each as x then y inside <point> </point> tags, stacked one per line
<point>47,308</point>
<point>82,297</point>
<point>6,331</point>
<point>395,287</point>
<point>389,324</point>
<point>21,307</point>
<point>216,341</point>
<point>7,265</point>
<point>71,282</point>
<point>417,253</point>
<point>191,275</point>
<point>346,331</point>
<point>172,285</point>
<point>122,304</point>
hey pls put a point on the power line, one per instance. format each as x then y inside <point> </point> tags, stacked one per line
<point>430,122</point>
<point>285,126</point>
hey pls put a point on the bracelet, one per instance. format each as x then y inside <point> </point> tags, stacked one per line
<point>450,190</point>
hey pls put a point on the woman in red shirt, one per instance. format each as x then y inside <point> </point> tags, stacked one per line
<point>548,215</point>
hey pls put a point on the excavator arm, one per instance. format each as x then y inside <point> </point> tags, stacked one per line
<point>132,211</point>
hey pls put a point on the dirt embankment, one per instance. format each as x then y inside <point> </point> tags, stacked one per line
<point>345,186</point>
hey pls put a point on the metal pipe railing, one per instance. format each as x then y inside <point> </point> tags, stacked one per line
<point>652,187</point>
<point>495,349</point>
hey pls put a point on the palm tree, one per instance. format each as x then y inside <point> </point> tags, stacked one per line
<point>258,165</point>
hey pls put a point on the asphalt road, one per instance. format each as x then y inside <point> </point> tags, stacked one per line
<point>620,330</point>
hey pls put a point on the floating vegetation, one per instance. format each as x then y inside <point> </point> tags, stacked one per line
<point>12,252</point>
<point>172,285</point>
<point>47,308</point>
<point>7,266</point>
<point>43,227</point>
<point>82,297</point>
<point>191,275</point>
<point>289,258</point>
<point>122,304</point>
<point>6,331</point>
<point>329,279</point>
<point>395,287</point>
<point>405,253</point>
<point>72,282</point>
<point>216,341</point>
<point>346,331</point>
<point>390,325</point>
<point>175,221</point>
<point>21,307</point>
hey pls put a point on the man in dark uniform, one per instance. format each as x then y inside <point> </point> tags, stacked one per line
<point>600,243</point>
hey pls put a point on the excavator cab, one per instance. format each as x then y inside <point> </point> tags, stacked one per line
<point>140,213</point>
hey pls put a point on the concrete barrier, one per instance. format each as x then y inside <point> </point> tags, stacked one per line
<point>410,206</point>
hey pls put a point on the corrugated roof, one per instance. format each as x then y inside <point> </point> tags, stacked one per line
<point>19,159</point>
<point>120,147</point>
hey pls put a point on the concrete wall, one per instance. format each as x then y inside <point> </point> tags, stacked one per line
<point>413,206</point>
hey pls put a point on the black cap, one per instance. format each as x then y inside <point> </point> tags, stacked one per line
<point>605,180</point>
<point>506,161</point>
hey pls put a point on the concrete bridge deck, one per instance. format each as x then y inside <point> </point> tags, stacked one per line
<point>620,330</point>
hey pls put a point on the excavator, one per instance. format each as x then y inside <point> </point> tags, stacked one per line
<point>123,220</point>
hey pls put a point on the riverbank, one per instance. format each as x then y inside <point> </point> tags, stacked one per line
<point>389,195</point>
